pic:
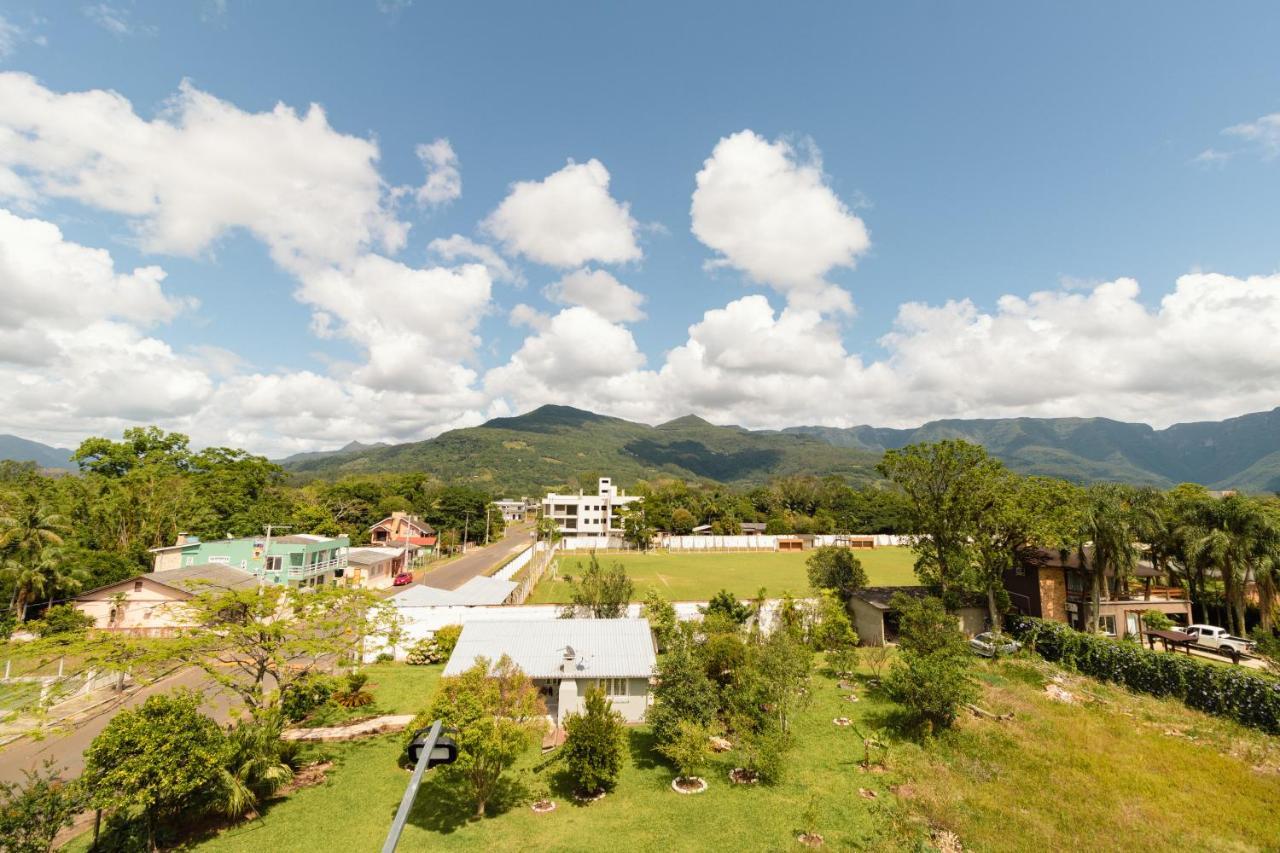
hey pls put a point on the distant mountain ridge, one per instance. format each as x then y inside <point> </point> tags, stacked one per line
<point>1237,453</point>
<point>25,450</point>
<point>552,445</point>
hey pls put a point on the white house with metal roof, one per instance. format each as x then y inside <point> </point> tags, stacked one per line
<point>567,657</point>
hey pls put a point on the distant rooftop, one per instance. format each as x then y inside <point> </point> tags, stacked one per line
<point>599,648</point>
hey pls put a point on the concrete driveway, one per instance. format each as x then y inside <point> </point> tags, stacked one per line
<point>478,561</point>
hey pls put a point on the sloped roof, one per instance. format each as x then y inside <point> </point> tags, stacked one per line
<point>601,648</point>
<point>205,576</point>
<point>372,555</point>
<point>476,592</point>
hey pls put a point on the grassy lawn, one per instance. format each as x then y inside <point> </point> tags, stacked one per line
<point>697,577</point>
<point>1093,776</point>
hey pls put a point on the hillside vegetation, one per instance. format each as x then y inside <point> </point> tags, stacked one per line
<point>554,445</point>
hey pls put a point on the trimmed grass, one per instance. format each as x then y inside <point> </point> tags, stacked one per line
<point>697,577</point>
<point>1105,774</point>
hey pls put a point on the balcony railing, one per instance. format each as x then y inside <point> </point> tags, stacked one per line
<point>312,569</point>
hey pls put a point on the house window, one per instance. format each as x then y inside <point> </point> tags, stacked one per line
<point>272,564</point>
<point>137,586</point>
<point>1131,623</point>
<point>1108,625</point>
<point>612,686</point>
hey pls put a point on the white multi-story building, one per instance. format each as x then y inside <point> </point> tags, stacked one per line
<point>589,515</point>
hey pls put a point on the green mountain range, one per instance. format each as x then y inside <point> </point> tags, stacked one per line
<point>25,450</point>
<point>555,445</point>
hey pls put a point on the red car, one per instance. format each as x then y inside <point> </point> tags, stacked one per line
<point>403,579</point>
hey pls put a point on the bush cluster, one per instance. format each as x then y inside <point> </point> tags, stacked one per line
<point>436,648</point>
<point>1239,694</point>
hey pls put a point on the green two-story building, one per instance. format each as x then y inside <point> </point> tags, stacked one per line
<point>300,560</point>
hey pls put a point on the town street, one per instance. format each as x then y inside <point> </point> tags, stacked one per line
<point>479,561</point>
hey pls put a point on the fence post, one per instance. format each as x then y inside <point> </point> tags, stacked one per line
<point>8,664</point>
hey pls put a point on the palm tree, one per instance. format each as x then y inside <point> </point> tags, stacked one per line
<point>1232,535</point>
<point>30,542</point>
<point>260,762</point>
<point>1106,540</point>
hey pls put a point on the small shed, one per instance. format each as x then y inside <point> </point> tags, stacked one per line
<point>790,543</point>
<point>876,621</point>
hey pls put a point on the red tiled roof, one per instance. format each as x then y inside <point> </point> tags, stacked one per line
<point>426,541</point>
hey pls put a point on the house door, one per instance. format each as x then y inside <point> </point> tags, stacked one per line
<point>1132,622</point>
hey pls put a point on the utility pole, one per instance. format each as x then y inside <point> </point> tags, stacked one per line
<point>466,524</point>
<point>486,524</point>
<point>266,554</point>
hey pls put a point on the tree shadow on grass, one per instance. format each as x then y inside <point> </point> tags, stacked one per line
<point>444,802</point>
<point>643,746</point>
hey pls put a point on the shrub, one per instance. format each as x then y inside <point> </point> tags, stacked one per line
<point>594,744</point>
<point>259,762</point>
<point>688,748</point>
<point>684,693</point>
<point>385,657</point>
<point>353,694</point>
<point>932,679</point>
<point>1154,620</point>
<point>726,605</point>
<point>1232,692</point>
<point>299,699</point>
<point>436,648</point>
<point>765,752</point>
<point>876,657</point>
<point>62,619</point>
<point>33,813</point>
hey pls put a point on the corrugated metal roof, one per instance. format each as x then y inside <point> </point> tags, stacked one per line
<point>476,592</point>
<point>372,556</point>
<point>602,648</point>
<point>205,577</point>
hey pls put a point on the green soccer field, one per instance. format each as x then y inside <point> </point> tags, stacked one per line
<point>697,577</point>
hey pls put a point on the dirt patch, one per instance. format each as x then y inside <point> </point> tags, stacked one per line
<point>946,841</point>
<point>810,839</point>
<point>904,792</point>
<point>307,776</point>
<point>743,776</point>
<point>1060,694</point>
<point>842,721</point>
<point>719,744</point>
<point>867,794</point>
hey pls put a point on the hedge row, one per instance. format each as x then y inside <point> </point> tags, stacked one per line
<point>1242,695</point>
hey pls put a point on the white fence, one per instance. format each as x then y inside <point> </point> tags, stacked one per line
<point>761,542</point>
<point>517,563</point>
<point>419,623</point>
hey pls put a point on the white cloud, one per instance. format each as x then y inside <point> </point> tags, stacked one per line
<point>527,315</point>
<point>416,326</point>
<point>444,181</point>
<point>10,35</point>
<point>116,20</point>
<point>599,291</point>
<point>201,169</point>
<point>459,248</point>
<point>73,353</point>
<point>1263,132</point>
<point>567,219</point>
<point>772,215</point>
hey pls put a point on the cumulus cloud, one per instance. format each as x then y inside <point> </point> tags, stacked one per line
<point>567,219</point>
<point>770,213</point>
<point>73,350</point>
<point>460,248</point>
<point>599,291</point>
<point>444,180</point>
<point>201,169</point>
<point>1209,349</point>
<point>1263,133</point>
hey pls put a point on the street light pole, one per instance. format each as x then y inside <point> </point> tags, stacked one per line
<point>266,554</point>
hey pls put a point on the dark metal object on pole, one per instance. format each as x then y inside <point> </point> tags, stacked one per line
<point>426,749</point>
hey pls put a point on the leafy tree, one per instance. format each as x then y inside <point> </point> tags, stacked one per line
<point>30,543</point>
<point>835,568</point>
<point>62,619</point>
<point>1105,540</point>
<point>249,638</point>
<point>1154,620</point>
<point>726,605</point>
<point>599,593</point>
<point>155,763</point>
<point>548,530</point>
<point>784,664</point>
<point>682,521</point>
<point>688,748</point>
<point>498,716</point>
<point>932,678</point>
<point>946,483</point>
<point>33,813</point>
<point>593,746</point>
<point>636,529</point>
<point>662,617</point>
<point>833,632</point>
<point>683,692</point>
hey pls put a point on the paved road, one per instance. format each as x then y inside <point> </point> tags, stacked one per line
<point>455,573</point>
<point>67,750</point>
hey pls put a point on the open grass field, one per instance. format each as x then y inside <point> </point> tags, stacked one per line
<point>696,577</point>
<point>1108,773</point>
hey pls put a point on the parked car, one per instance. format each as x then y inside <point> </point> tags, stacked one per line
<point>403,579</point>
<point>989,644</point>
<point>1213,637</point>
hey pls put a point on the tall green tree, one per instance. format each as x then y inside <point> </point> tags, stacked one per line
<point>34,812</point>
<point>683,693</point>
<point>594,743</point>
<point>498,715</point>
<point>931,678</point>
<point>155,763</point>
<point>599,593</point>
<point>836,569</point>
<point>947,484</point>
<point>1106,540</point>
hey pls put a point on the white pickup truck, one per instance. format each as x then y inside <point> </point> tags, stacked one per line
<point>1213,637</point>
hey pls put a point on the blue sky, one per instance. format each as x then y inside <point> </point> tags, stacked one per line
<point>988,151</point>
